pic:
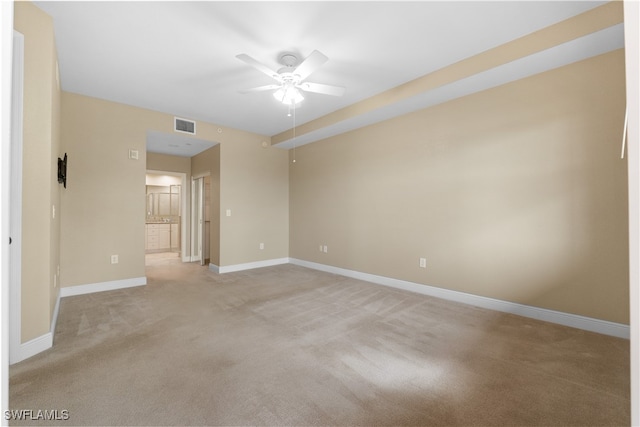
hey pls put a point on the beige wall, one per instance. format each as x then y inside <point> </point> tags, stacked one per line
<point>254,184</point>
<point>165,162</point>
<point>104,202</point>
<point>516,193</point>
<point>40,189</point>
<point>105,197</point>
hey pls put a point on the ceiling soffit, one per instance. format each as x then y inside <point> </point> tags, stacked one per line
<point>591,33</point>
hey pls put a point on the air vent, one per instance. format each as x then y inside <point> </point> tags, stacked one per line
<point>185,126</point>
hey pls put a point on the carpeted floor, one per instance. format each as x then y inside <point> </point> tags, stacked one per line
<point>291,346</point>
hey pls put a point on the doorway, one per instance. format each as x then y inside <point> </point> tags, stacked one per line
<point>164,217</point>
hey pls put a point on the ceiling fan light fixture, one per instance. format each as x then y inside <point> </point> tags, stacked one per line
<point>288,95</point>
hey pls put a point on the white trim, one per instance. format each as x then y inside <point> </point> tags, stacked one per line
<point>248,265</point>
<point>102,286</point>
<point>37,345</point>
<point>6,60</point>
<point>15,215</point>
<point>44,342</point>
<point>54,318</point>
<point>32,347</point>
<point>197,219</point>
<point>566,319</point>
<point>201,175</point>
<point>185,218</point>
<point>632,65</point>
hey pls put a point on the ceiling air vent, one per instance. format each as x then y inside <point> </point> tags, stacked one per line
<point>185,126</point>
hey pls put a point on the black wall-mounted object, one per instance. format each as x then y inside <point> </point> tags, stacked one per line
<point>62,170</point>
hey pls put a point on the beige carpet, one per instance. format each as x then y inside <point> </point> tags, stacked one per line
<point>290,346</point>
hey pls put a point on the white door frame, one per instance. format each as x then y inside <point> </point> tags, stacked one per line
<point>15,209</point>
<point>632,63</point>
<point>198,217</point>
<point>6,60</point>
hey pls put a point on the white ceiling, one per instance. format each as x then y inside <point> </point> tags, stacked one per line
<point>179,57</point>
<point>176,144</point>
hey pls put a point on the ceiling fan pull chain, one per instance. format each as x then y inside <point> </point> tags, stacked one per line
<point>294,133</point>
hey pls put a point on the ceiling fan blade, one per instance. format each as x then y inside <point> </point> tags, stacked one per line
<point>309,65</point>
<point>259,66</point>
<point>261,88</point>
<point>323,89</point>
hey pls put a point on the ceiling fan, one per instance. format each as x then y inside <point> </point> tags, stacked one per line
<point>291,77</point>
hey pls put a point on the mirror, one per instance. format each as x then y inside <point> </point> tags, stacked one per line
<point>163,203</point>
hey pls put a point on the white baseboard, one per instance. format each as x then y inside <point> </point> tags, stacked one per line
<point>54,318</point>
<point>102,286</point>
<point>32,347</point>
<point>247,266</point>
<point>573,320</point>
<point>581,322</point>
<point>45,342</point>
<point>39,344</point>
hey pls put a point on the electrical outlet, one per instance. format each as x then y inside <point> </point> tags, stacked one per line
<point>320,249</point>
<point>325,249</point>
<point>261,245</point>
<point>423,263</point>
<point>114,259</point>
<point>228,212</point>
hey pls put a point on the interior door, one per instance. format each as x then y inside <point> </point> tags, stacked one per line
<point>197,220</point>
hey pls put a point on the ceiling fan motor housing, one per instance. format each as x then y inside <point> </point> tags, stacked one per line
<point>288,60</point>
